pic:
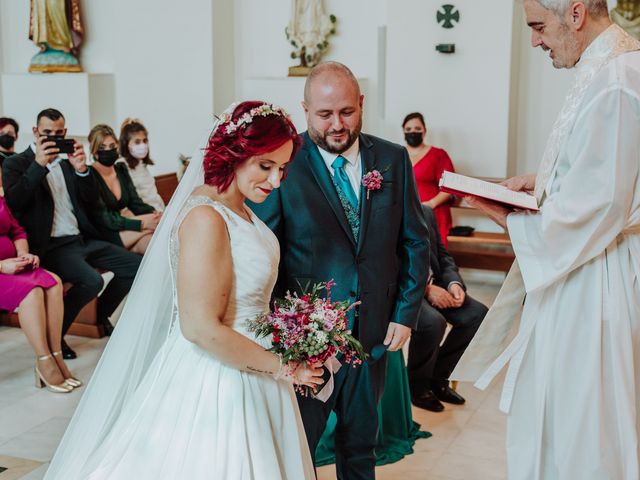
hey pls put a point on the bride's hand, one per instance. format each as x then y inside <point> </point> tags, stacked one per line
<point>303,374</point>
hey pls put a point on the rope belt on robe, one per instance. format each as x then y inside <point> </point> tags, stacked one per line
<point>514,353</point>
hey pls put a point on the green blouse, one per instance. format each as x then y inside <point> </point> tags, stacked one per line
<point>108,218</point>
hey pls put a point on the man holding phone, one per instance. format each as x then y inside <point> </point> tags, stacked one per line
<point>53,197</point>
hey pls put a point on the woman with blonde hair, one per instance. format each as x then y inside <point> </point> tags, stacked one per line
<point>124,219</point>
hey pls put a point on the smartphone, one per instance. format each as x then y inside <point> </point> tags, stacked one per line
<point>65,145</point>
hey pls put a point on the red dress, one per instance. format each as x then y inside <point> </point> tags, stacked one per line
<point>428,171</point>
<point>13,288</point>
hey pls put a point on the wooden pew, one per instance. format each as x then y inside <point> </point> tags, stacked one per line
<point>483,250</point>
<point>166,185</point>
<point>85,324</point>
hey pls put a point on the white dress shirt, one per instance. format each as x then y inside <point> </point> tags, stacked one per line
<point>64,220</point>
<point>353,166</point>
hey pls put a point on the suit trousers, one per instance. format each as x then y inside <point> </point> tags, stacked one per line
<point>430,364</point>
<point>357,391</point>
<point>75,260</point>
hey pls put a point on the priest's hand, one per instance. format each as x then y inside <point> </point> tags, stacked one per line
<point>521,183</point>
<point>495,211</point>
<point>397,336</point>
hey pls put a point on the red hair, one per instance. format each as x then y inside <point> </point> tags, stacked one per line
<point>226,151</point>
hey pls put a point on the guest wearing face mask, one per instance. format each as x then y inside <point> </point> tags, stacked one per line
<point>134,148</point>
<point>123,218</point>
<point>429,163</point>
<point>8,136</point>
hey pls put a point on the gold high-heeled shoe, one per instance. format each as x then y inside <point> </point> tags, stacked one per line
<point>71,381</point>
<point>42,382</point>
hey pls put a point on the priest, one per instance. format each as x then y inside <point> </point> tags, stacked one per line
<point>572,390</point>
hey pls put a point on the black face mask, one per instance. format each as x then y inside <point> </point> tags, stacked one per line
<point>7,141</point>
<point>413,139</point>
<point>107,157</point>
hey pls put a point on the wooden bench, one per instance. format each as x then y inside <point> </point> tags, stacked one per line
<point>85,324</point>
<point>483,250</point>
<point>166,185</point>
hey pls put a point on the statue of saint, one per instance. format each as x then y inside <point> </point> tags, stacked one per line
<point>56,28</point>
<point>627,14</point>
<point>308,31</point>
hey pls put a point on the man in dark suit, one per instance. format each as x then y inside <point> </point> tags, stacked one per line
<point>52,198</point>
<point>445,301</point>
<point>372,242</point>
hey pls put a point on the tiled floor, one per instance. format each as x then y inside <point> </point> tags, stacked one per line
<point>467,442</point>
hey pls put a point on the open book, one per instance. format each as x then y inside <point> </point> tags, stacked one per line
<point>462,185</point>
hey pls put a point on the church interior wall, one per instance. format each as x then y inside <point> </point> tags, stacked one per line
<point>160,54</point>
<point>491,105</point>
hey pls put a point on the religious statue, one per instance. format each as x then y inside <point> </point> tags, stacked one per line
<point>56,28</point>
<point>308,31</point>
<point>627,14</point>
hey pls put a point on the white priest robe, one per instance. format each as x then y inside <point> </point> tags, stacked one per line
<point>573,386</point>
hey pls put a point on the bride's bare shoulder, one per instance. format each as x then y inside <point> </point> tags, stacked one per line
<point>202,222</point>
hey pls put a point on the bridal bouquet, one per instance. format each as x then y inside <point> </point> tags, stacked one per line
<point>310,329</point>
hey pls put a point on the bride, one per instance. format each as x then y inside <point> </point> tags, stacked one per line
<point>182,389</point>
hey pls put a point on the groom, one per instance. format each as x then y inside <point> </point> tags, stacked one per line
<point>372,242</point>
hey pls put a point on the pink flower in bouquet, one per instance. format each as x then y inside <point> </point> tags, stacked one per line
<point>309,329</point>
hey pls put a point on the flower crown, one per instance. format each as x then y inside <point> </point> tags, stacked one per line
<point>261,111</point>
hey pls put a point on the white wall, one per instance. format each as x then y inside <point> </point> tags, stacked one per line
<point>464,96</point>
<point>160,53</point>
<point>262,50</point>
<point>491,104</point>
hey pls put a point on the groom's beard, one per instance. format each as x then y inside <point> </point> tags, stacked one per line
<point>324,140</point>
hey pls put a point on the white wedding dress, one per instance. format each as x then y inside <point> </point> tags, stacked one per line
<point>193,417</point>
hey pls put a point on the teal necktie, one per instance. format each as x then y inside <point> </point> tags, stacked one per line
<point>342,181</point>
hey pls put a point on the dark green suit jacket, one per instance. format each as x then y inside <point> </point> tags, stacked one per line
<point>386,269</point>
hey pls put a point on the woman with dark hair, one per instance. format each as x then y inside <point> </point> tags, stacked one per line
<point>123,219</point>
<point>134,148</point>
<point>37,294</point>
<point>184,390</point>
<point>429,163</point>
<point>8,135</point>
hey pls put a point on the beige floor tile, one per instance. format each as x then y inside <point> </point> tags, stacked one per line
<point>465,467</point>
<point>39,443</point>
<point>467,442</point>
<point>16,468</point>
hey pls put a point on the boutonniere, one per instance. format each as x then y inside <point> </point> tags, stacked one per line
<point>372,181</point>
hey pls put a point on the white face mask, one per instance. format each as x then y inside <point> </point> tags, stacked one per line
<point>139,150</point>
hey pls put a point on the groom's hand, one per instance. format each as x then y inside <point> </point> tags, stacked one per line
<point>397,336</point>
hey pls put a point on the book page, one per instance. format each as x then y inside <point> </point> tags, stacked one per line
<point>488,190</point>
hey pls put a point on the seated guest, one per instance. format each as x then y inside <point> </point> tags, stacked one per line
<point>123,219</point>
<point>134,148</point>
<point>446,301</point>
<point>37,294</point>
<point>50,196</point>
<point>429,162</point>
<point>8,136</point>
